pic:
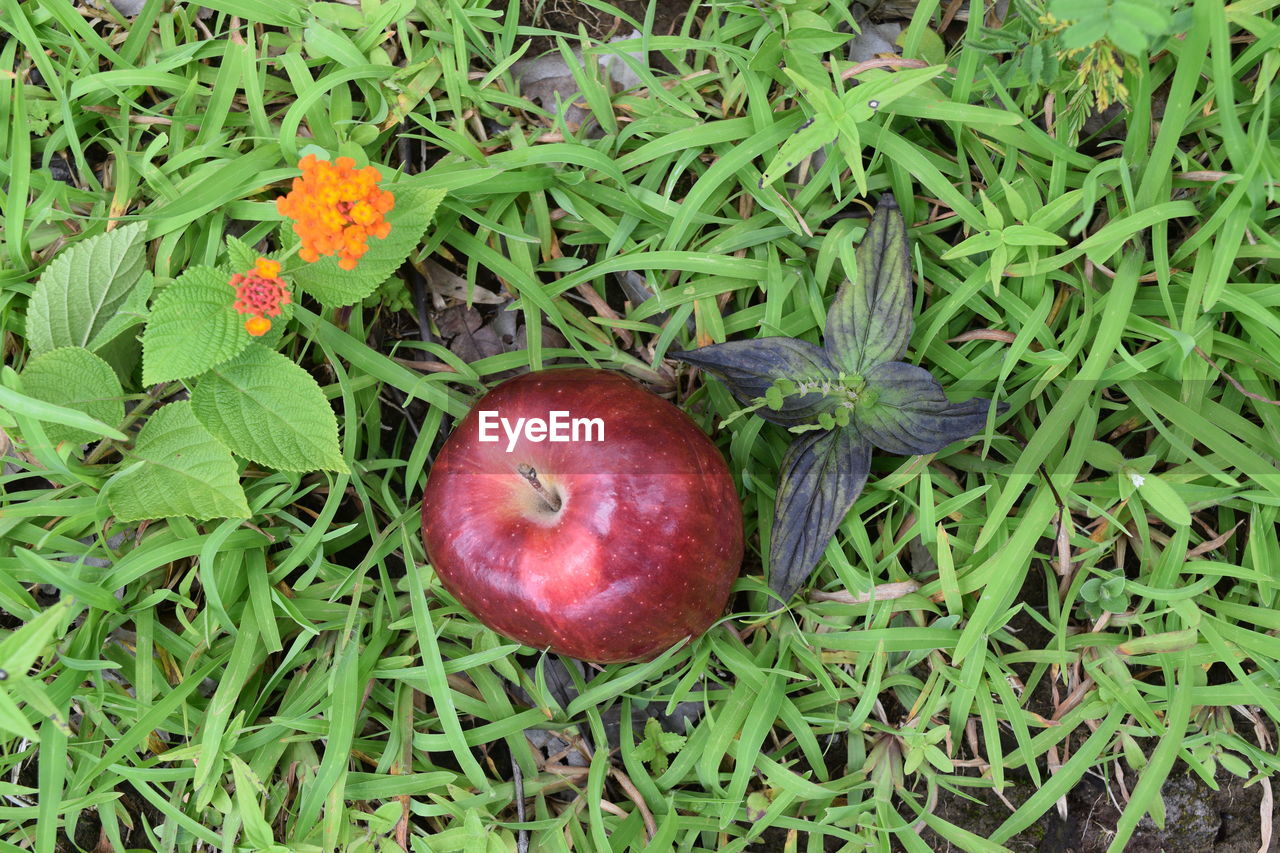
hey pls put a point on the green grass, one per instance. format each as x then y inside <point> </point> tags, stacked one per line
<point>303,682</point>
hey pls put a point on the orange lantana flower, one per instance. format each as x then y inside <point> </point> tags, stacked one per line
<point>335,208</point>
<point>260,292</point>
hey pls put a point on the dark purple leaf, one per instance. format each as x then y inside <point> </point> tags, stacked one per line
<point>749,368</point>
<point>870,320</point>
<point>907,412</point>
<point>822,475</point>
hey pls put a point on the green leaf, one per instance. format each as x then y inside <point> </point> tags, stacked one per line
<point>870,319</point>
<point>51,413</point>
<point>808,32</point>
<point>1029,235</point>
<point>240,254</point>
<point>281,13</point>
<point>78,379</point>
<point>1085,32</point>
<point>904,410</point>
<point>132,312</point>
<point>884,87</point>
<point>768,54</point>
<point>932,48</point>
<point>18,652</point>
<point>415,208</point>
<point>809,137</point>
<point>822,475</point>
<point>250,795</point>
<point>183,470</point>
<point>750,369</point>
<point>1151,19</point>
<point>824,101</point>
<point>983,241</point>
<point>1162,498</point>
<point>1104,456</point>
<point>1127,37</point>
<point>84,288</point>
<point>268,409</point>
<point>657,745</point>
<point>194,326</point>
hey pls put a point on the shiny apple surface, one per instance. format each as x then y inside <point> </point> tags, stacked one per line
<point>604,550</point>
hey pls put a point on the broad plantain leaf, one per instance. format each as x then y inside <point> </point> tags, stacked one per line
<point>184,471</point>
<point>192,327</point>
<point>907,412</point>
<point>896,406</point>
<point>78,379</point>
<point>83,288</point>
<point>268,409</point>
<point>822,475</point>
<point>750,368</point>
<point>870,319</point>
<point>414,209</point>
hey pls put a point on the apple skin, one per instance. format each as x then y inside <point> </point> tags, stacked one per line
<point>643,549</point>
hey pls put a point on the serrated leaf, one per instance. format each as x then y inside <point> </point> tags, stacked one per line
<point>414,209</point>
<point>657,745</point>
<point>242,257</point>
<point>194,326</point>
<point>870,319</point>
<point>83,288</point>
<point>240,254</point>
<point>750,368</point>
<point>908,413</point>
<point>132,312</point>
<point>268,409</point>
<point>184,471</point>
<point>78,379</point>
<point>822,475</point>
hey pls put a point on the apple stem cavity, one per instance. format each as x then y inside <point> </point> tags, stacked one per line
<point>549,499</point>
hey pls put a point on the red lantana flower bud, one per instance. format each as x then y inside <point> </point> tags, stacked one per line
<point>260,293</point>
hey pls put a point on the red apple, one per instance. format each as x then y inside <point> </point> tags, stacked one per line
<point>609,533</point>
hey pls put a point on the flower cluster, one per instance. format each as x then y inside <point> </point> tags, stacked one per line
<point>336,208</point>
<point>260,293</point>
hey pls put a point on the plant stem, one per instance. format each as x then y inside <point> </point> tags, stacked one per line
<point>551,500</point>
<point>157,393</point>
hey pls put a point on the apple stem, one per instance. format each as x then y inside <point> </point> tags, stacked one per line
<point>531,475</point>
